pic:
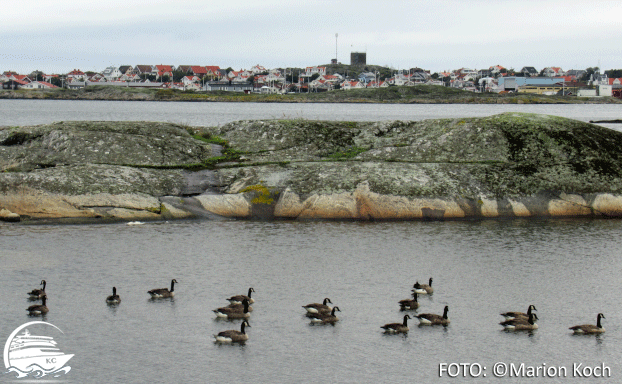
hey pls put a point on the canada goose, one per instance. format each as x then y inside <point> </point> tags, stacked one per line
<point>237,307</point>
<point>232,313</point>
<point>521,324</point>
<point>325,317</point>
<point>424,289</point>
<point>433,319</point>
<point>397,327</point>
<point>163,292</point>
<point>514,315</point>
<point>590,328</point>
<point>233,336</point>
<point>38,309</point>
<point>36,294</point>
<point>114,298</point>
<point>317,308</point>
<point>238,298</point>
<point>407,304</point>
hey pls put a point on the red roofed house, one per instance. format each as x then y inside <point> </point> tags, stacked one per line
<point>213,70</point>
<point>76,74</point>
<point>197,70</point>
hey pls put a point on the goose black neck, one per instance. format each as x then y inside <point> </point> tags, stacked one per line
<point>531,319</point>
<point>44,284</point>
<point>250,290</point>
<point>405,320</point>
<point>172,285</point>
<point>430,284</point>
<point>445,312</point>
<point>43,300</point>
<point>598,322</point>
<point>114,291</point>
<point>243,327</point>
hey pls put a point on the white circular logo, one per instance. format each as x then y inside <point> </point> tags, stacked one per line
<point>35,355</point>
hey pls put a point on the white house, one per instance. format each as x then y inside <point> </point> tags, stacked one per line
<point>111,73</point>
<point>39,85</point>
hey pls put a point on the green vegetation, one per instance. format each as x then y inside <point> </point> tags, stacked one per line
<point>394,94</point>
<point>347,154</point>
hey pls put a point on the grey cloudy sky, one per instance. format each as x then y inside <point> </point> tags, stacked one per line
<point>60,35</point>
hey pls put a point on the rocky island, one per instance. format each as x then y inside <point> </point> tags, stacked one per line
<point>507,165</point>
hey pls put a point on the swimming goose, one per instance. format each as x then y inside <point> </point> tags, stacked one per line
<point>514,315</point>
<point>424,289</point>
<point>39,309</point>
<point>397,327</point>
<point>521,324</point>
<point>434,319</point>
<point>324,317</point>
<point>233,336</point>
<point>237,307</point>
<point>232,313</point>
<point>114,298</point>
<point>407,304</point>
<point>36,294</point>
<point>590,328</point>
<point>317,307</point>
<point>163,292</point>
<point>239,298</point>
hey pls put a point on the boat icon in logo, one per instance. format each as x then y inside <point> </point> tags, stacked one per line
<point>30,355</point>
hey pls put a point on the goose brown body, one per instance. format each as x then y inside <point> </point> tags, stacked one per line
<point>409,304</point>
<point>114,298</point>
<point>37,294</point>
<point>239,298</point>
<point>521,324</point>
<point>325,317</point>
<point>234,313</point>
<point>423,289</point>
<point>397,327</point>
<point>317,307</point>
<point>232,335</point>
<point>434,319</point>
<point>39,309</point>
<point>590,328</point>
<point>516,315</point>
<point>163,292</point>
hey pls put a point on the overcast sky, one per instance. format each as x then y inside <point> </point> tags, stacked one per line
<point>60,35</point>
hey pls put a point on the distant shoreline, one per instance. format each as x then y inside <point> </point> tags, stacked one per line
<point>421,94</point>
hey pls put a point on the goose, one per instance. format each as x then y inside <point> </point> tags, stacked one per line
<point>514,315</point>
<point>521,324</point>
<point>324,317</point>
<point>433,319</point>
<point>114,298</point>
<point>397,327</point>
<point>317,308</point>
<point>590,328</point>
<point>407,304</point>
<point>237,307</point>
<point>232,313</point>
<point>233,336</point>
<point>424,289</point>
<point>38,309</point>
<point>163,292</point>
<point>36,294</point>
<point>239,298</point>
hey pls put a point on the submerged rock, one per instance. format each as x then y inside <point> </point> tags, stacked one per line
<point>508,165</point>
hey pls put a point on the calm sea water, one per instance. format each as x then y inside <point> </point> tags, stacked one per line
<point>28,112</point>
<point>569,269</point>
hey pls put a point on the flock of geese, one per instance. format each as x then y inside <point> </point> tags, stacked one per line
<point>239,309</point>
